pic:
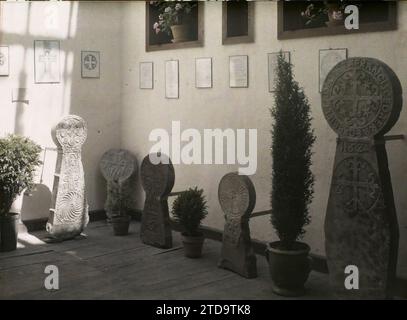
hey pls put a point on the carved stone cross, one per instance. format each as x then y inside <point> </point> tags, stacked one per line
<point>361,100</point>
<point>237,198</point>
<point>69,209</point>
<point>158,181</point>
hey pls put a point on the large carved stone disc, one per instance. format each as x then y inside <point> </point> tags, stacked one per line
<point>71,133</point>
<point>157,179</point>
<point>117,165</point>
<point>237,196</point>
<point>361,97</point>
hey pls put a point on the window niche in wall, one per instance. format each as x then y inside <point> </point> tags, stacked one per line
<point>174,25</point>
<point>301,19</point>
<point>237,22</point>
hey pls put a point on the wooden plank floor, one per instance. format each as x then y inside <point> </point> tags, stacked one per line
<point>103,266</point>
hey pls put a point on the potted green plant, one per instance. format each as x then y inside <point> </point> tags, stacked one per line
<point>174,19</point>
<point>292,183</point>
<point>118,209</point>
<point>189,209</point>
<point>328,13</point>
<point>19,157</point>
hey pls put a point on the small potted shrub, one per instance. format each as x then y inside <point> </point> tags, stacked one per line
<point>292,183</point>
<point>118,210</point>
<point>19,158</point>
<point>189,209</point>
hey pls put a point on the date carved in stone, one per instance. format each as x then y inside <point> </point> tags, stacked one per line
<point>158,181</point>
<point>69,209</point>
<point>237,198</point>
<point>361,100</point>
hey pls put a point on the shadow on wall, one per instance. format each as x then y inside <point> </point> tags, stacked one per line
<point>37,202</point>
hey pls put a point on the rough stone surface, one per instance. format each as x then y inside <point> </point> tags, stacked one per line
<point>361,100</point>
<point>69,209</point>
<point>117,166</point>
<point>237,198</point>
<point>158,181</point>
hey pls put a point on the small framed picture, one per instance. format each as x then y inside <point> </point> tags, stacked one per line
<point>329,58</point>
<point>90,64</point>
<point>146,80</point>
<point>46,61</point>
<point>203,72</point>
<point>4,61</point>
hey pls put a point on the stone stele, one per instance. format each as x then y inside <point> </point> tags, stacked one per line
<point>158,181</point>
<point>117,166</point>
<point>237,198</point>
<point>361,100</point>
<point>69,208</point>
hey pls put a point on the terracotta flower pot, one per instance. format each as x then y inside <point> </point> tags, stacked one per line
<point>289,269</point>
<point>193,245</point>
<point>121,225</point>
<point>335,16</point>
<point>180,33</point>
<point>9,232</point>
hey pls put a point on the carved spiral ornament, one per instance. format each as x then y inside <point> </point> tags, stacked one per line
<point>71,207</point>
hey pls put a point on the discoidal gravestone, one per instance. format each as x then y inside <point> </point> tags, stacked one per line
<point>237,198</point>
<point>117,166</point>
<point>361,100</point>
<point>69,208</point>
<point>158,181</point>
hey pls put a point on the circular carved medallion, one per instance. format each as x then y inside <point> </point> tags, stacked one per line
<point>71,207</point>
<point>361,97</point>
<point>90,62</point>
<point>237,196</point>
<point>71,132</point>
<point>356,185</point>
<point>157,179</point>
<point>117,165</point>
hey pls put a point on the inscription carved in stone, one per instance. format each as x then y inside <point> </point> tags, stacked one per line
<point>117,166</point>
<point>158,181</point>
<point>361,100</point>
<point>69,211</point>
<point>237,198</point>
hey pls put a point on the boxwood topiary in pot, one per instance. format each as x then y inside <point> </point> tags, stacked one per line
<point>292,183</point>
<point>189,209</point>
<point>19,157</point>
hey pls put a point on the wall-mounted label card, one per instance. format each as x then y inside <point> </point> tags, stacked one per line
<point>238,72</point>
<point>329,58</point>
<point>203,72</point>
<point>146,75</point>
<point>171,79</point>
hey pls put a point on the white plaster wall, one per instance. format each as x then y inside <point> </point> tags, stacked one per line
<point>223,107</point>
<point>78,26</point>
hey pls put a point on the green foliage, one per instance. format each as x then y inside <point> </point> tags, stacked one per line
<point>19,157</point>
<point>189,209</point>
<point>171,13</point>
<point>292,140</point>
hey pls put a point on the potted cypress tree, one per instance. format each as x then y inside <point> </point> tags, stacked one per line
<point>292,183</point>
<point>189,209</point>
<point>19,157</point>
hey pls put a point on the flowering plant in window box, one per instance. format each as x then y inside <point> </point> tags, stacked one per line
<point>174,18</point>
